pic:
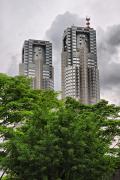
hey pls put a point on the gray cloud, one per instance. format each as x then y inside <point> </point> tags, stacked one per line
<point>109,62</point>
<point>13,67</point>
<point>109,57</point>
<point>21,20</point>
<point>113,37</point>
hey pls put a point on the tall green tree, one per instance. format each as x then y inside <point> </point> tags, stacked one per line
<point>49,139</point>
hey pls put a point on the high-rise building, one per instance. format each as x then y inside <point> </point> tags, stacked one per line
<point>80,74</point>
<point>37,63</point>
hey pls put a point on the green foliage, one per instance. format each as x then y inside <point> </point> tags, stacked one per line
<point>50,139</point>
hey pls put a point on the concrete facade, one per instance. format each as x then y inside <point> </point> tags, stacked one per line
<point>37,63</point>
<point>80,74</point>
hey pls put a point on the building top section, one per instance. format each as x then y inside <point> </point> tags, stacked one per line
<point>39,42</point>
<point>77,39</point>
<point>86,29</point>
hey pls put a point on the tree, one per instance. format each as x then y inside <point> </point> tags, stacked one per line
<point>55,139</point>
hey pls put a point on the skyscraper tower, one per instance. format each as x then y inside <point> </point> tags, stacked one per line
<point>80,74</point>
<point>37,63</point>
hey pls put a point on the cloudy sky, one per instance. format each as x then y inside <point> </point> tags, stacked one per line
<point>46,19</point>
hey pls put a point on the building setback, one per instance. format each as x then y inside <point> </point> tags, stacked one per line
<point>37,63</point>
<point>80,74</point>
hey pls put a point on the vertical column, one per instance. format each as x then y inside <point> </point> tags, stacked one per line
<point>74,45</point>
<point>69,46</point>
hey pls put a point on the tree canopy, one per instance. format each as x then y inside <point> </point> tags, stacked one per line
<point>44,138</point>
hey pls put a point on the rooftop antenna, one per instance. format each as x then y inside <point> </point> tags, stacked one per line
<point>88,22</point>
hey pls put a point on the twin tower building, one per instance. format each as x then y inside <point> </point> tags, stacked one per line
<point>79,69</point>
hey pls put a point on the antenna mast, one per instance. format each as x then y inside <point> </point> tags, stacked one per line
<point>88,22</point>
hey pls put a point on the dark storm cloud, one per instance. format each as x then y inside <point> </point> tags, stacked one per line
<point>109,57</point>
<point>113,35</point>
<point>54,34</point>
<point>109,62</point>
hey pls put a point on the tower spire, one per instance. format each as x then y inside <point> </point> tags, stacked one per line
<point>88,22</point>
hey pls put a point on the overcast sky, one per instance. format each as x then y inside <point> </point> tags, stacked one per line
<point>46,20</point>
